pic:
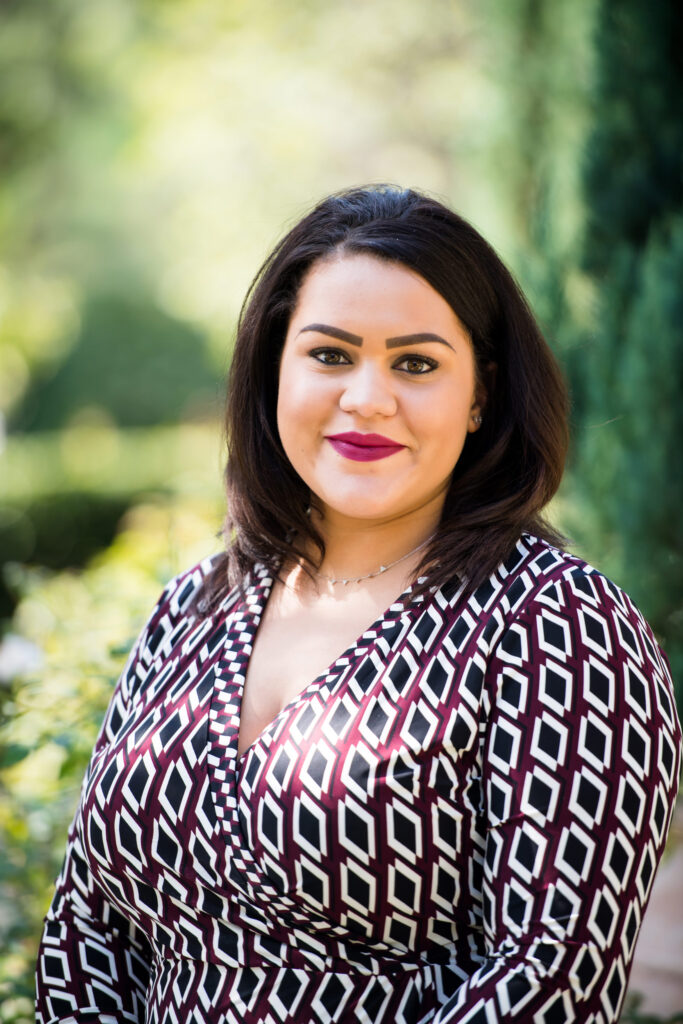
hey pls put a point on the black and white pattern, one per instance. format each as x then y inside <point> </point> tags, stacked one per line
<point>459,821</point>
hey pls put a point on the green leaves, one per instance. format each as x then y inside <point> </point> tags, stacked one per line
<point>84,623</point>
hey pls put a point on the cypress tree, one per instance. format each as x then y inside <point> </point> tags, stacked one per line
<point>628,371</point>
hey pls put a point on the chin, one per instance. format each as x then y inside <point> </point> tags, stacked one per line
<point>368,509</point>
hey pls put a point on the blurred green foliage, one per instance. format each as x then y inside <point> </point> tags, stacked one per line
<point>150,155</point>
<point>64,492</point>
<point>130,363</point>
<point>634,1013</point>
<point>77,628</point>
<point>627,366</point>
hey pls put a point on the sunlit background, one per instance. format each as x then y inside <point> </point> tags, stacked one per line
<point>151,153</point>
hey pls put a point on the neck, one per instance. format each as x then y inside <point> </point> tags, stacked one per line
<point>367,549</point>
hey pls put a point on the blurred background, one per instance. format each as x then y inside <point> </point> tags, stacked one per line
<point>151,153</point>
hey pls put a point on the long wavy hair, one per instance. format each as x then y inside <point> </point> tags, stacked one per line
<point>509,468</point>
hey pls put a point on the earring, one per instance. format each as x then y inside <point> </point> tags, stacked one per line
<point>476,419</point>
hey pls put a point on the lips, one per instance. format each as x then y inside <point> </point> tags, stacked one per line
<point>364,447</point>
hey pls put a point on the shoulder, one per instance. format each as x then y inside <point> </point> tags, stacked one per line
<point>559,604</point>
<point>557,586</point>
<point>180,594</point>
<point>178,611</point>
<point>537,572</point>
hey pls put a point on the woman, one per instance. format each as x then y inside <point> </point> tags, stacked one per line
<point>453,814</point>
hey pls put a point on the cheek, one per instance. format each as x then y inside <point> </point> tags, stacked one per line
<point>297,414</point>
<point>444,416</point>
<point>286,398</point>
<point>286,420</point>
<point>304,398</point>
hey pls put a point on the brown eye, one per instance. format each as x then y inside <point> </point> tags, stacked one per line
<point>330,356</point>
<point>416,365</point>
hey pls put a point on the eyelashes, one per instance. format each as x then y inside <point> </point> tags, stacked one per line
<point>331,356</point>
<point>417,365</point>
<point>414,365</point>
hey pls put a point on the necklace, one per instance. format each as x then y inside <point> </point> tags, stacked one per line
<point>370,575</point>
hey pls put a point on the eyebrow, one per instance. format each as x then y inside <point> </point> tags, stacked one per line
<point>334,332</point>
<point>416,339</point>
<point>355,339</point>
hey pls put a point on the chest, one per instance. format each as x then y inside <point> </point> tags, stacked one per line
<point>354,804</point>
<point>295,645</point>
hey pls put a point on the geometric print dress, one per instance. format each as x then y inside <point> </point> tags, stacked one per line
<point>458,822</point>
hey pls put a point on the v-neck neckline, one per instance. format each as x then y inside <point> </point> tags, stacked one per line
<point>225,769</point>
<point>244,620</point>
<point>265,585</point>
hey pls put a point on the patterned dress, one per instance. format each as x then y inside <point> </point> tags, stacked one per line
<point>459,821</point>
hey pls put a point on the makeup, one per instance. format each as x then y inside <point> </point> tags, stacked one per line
<point>364,447</point>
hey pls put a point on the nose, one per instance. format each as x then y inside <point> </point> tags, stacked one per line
<point>368,392</point>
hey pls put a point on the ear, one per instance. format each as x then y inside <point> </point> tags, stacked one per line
<point>476,417</point>
<point>483,388</point>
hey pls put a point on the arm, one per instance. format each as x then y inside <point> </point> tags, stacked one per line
<point>580,760</point>
<point>93,963</point>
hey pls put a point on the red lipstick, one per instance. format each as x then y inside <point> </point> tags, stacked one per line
<point>364,447</point>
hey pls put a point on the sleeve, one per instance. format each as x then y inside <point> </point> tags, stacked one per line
<point>580,767</point>
<point>93,964</point>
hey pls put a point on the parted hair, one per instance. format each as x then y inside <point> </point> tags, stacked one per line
<point>509,468</point>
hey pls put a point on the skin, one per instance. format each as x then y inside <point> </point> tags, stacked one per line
<point>420,395</point>
<point>371,348</point>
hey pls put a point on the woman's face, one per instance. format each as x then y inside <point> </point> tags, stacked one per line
<point>377,389</point>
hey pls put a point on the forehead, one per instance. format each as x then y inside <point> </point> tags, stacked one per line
<point>357,287</point>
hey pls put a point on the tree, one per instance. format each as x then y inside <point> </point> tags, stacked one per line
<point>627,374</point>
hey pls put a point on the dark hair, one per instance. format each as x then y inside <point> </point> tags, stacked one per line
<point>508,470</point>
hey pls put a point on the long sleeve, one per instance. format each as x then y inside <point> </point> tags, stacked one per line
<point>580,763</point>
<point>458,823</point>
<point>93,963</point>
